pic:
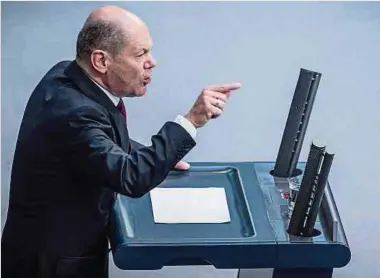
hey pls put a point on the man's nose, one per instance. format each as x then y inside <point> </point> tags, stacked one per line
<point>151,63</point>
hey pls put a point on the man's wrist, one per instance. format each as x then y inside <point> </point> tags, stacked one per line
<point>190,119</point>
<point>187,124</point>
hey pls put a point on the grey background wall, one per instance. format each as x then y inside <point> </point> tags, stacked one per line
<point>261,45</point>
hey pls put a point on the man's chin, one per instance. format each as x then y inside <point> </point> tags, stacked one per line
<point>138,93</point>
<point>142,91</point>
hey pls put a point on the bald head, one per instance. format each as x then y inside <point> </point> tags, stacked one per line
<point>119,16</point>
<point>107,28</point>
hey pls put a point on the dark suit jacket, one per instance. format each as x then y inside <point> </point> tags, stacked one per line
<point>70,162</point>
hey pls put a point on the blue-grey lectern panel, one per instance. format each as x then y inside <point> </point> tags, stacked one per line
<point>140,243</point>
<point>255,237</point>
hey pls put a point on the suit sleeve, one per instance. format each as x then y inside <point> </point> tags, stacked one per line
<point>135,145</point>
<point>94,153</point>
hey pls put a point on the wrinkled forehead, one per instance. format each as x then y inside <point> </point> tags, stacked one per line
<point>139,38</point>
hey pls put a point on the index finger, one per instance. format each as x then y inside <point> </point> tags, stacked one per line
<point>222,88</point>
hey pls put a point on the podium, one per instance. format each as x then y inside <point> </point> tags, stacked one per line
<point>258,196</point>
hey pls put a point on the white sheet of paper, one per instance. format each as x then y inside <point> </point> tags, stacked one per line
<point>190,205</point>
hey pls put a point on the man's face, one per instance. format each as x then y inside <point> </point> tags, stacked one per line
<point>130,72</point>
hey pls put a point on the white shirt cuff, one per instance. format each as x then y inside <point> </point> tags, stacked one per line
<point>186,125</point>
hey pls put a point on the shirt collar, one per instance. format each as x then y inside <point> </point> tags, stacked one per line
<point>115,100</point>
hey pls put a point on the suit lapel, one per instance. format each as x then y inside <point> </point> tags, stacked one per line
<point>121,128</point>
<point>90,89</point>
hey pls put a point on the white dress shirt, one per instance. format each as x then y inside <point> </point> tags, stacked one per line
<point>189,127</point>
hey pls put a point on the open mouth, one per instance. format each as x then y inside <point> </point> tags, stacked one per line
<point>147,81</point>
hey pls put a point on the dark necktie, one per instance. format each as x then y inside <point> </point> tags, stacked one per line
<point>123,112</point>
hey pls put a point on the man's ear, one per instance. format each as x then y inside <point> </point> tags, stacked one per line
<point>99,61</point>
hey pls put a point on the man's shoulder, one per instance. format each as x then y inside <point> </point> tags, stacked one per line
<point>61,95</point>
<point>57,71</point>
<point>55,79</point>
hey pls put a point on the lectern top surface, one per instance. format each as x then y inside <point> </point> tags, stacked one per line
<point>247,221</point>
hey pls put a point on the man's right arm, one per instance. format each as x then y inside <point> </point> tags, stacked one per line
<point>88,135</point>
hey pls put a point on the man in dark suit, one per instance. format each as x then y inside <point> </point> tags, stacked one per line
<point>73,153</point>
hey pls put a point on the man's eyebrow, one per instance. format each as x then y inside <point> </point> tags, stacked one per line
<point>149,48</point>
<point>144,49</point>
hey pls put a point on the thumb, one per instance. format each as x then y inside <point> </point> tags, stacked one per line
<point>182,165</point>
